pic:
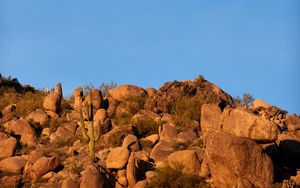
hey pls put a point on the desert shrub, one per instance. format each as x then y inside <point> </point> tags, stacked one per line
<point>199,80</point>
<point>173,178</point>
<point>30,102</point>
<point>132,106</point>
<point>247,100</point>
<point>104,87</point>
<point>65,107</point>
<point>185,110</point>
<point>77,168</point>
<point>25,103</point>
<point>146,127</point>
<point>118,139</point>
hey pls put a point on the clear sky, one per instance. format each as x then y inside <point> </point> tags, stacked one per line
<point>241,46</point>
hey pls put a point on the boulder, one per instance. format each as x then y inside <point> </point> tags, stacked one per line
<point>140,184</point>
<point>161,151</point>
<point>10,181</point>
<point>245,124</point>
<point>116,135</point>
<point>187,160</point>
<point>52,102</point>
<point>131,142</point>
<point>131,171</point>
<point>237,162</point>
<point>151,92</point>
<point>38,116</point>
<point>92,178</point>
<point>134,170</point>
<point>117,158</point>
<point>23,128</point>
<point>13,164</point>
<point>210,118</point>
<point>153,138</point>
<point>7,147</point>
<point>42,166</point>
<point>69,183</point>
<point>78,98</point>
<point>258,103</point>
<point>124,92</point>
<point>65,132</point>
<point>293,122</point>
<point>168,133</point>
<point>97,99</point>
<point>112,106</point>
<point>9,113</point>
<point>186,136</point>
<point>3,136</point>
<point>100,116</point>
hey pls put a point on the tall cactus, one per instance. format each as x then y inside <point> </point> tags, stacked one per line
<point>89,136</point>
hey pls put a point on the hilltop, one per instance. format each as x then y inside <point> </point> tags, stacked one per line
<point>185,134</point>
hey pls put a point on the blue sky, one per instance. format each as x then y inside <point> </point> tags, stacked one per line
<point>241,46</point>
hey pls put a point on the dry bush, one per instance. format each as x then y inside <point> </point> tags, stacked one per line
<point>185,110</point>
<point>173,178</point>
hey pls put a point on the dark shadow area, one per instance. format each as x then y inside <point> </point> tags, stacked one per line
<point>286,158</point>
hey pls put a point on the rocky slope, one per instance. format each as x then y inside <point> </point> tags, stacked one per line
<point>185,134</point>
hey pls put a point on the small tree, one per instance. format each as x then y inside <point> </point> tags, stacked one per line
<point>248,99</point>
<point>104,87</point>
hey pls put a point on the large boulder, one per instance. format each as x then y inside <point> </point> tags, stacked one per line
<point>187,160</point>
<point>97,99</point>
<point>52,102</point>
<point>92,178</point>
<point>10,181</point>
<point>23,128</point>
<point>43,165</point>
<point>168,133</point>
<point>13,164</point>
<point>258,103</point>
<point>7,147</point>
<point>64,133</point>
<point>38,116</point>
<point>243,123</point>
<point>117,158</point>
<point>124,92</point>
<point>161,151</point>
<point>100,116</point>
<point>78,98</point>
<point>237,162</point>
<point>210,118</point>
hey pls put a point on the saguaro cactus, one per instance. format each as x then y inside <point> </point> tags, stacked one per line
<point>89,136</point>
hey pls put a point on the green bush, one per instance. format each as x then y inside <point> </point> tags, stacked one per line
<point>173,178</point>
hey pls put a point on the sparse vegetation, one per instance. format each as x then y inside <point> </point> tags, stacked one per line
<point>104,87</point>
<point>173,178</point>
<point>247,100</point>
<point>185,110</point>
<point>147,127</point>
<point>199,80</point>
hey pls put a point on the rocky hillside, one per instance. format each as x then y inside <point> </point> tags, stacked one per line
<point>185,134</point>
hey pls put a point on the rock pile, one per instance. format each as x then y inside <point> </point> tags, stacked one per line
<point>190,126</point>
